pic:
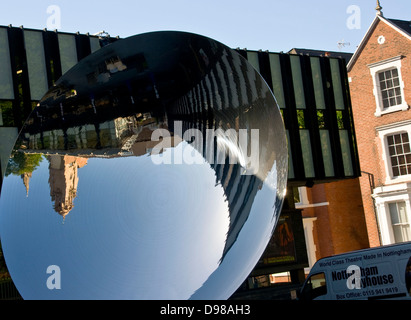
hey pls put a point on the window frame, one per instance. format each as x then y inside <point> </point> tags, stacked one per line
<point>397,155</point>
<point>384,132</point>
<point>375,70</point>
<point>385,195</point>
<point>400,223</point>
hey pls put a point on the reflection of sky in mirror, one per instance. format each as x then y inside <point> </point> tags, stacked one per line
<point>133,228</point>
<point>129,220</point>
<point>248,247</point>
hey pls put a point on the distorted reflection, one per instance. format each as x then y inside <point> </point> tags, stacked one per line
<point>165,156</point>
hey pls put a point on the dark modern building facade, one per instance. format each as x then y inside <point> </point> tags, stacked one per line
<point>312,93</point>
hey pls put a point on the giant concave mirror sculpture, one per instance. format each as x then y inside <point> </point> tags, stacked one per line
<point>154,169</point>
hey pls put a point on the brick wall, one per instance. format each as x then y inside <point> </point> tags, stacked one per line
<point>340,225</point>
<point>364,106</point>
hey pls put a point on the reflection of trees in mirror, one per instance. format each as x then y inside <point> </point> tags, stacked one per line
<point>22,163</point>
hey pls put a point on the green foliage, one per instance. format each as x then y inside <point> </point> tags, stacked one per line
<point>20,163</point>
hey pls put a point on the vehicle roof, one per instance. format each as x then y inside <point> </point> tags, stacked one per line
<point>388,246</point>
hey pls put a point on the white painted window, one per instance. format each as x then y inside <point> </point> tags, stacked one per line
<point>393,212</point>
<point>400,154</point>
<point>388,86</point>
<point>396,151</point>
<point>399,221</point>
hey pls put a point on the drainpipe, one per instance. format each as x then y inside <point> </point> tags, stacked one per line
<point>372,187</point>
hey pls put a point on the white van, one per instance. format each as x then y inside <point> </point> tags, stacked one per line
<point>376,273</point>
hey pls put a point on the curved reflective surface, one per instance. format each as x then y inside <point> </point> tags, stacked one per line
<point>153,169</point>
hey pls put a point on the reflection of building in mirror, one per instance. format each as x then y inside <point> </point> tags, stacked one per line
<point>114,136</point>
<point>63,181</point>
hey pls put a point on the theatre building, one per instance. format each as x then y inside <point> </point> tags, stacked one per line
<point>313,95</point>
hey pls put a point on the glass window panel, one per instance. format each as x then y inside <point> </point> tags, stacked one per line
<point>394,161</point>
<point>307,153</point>
<point>390,140</point>
<point>297,82</point>
<point>346,153</point>
<point>252,57</point>
<point>68,51</point>
<point>402,212</point>
<point>404,137</point>
<point>277,80</point>
<point>393,213</point>
<point>394,72</point>
<point>36,64</point>
<point>327,153</point>
<point>337,85</point>
<point>395,171</point>
<point>390,88</point>
<point>398,149</point>
<point>403,170</point>
<point>391,150</point>
<point>94,44</point>
<point>6,80</point>
<point>407,233</point>
<point>397,233</point>
<point>399,221</point>
<point>318,82</point>
<point>401,160</point>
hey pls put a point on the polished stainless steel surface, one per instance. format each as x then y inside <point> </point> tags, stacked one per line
<point>154,169</point>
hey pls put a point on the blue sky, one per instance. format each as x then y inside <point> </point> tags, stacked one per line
<point>258,24</point>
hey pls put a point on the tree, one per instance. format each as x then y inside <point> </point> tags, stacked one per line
<point>21,163</point>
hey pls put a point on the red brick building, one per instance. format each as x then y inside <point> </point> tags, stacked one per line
<point>333,218</point>
<point>380,84</point>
